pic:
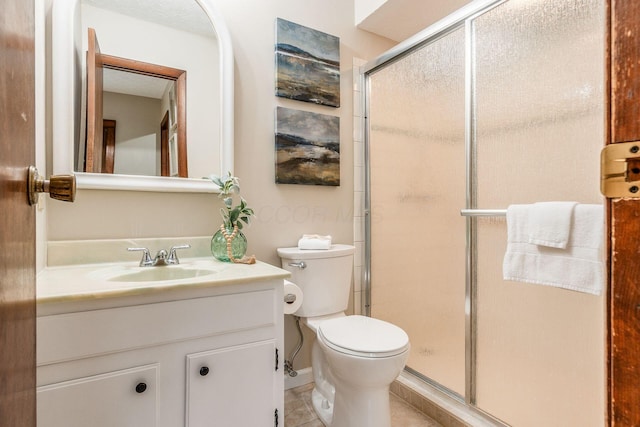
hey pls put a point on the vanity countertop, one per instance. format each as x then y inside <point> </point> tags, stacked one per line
<point>91,283</point>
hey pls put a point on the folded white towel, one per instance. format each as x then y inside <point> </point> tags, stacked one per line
<point>314,241</point>
<point>578,267</point>
<point>550,223</point>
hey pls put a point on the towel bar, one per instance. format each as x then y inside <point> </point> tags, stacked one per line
<point>483,212</point>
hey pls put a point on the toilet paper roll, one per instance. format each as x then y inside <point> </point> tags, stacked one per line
<point>292,297</point>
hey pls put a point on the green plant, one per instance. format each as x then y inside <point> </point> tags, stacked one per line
<point>232,216</point>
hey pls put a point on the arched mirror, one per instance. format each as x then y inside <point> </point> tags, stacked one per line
<point>185,37</point>
<point>139,109</point>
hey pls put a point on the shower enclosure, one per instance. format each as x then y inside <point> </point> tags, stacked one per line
<point>500,103</point>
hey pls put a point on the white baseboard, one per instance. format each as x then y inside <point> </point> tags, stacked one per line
<point>305,376</point>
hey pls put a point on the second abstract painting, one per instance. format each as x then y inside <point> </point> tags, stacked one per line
<point>307,148</point>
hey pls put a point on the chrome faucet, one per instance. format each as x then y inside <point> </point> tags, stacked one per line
<point>162,257</point>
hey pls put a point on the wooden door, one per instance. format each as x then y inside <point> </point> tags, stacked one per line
<point>109,145</point>
<point>164,145</point>
<point>624,218</point>
<point>17,218</point>
<point>94,148</point>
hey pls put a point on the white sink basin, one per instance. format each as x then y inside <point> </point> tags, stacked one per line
<point>152,274</point>
<point>161,274</point>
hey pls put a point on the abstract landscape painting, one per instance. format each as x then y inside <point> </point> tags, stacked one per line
<point>307,64</point>
<point>307,148</point>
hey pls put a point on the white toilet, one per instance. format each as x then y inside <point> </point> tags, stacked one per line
<point>354,358</point>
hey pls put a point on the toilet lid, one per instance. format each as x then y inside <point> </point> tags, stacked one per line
<point>363,336</point>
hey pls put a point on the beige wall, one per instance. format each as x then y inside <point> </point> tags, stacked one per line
<point>287,211</point>
<point>284,211</point>
<point>137,132</point>
<point>364,8</point>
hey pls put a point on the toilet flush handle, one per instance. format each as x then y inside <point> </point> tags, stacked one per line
<point>300,265</point>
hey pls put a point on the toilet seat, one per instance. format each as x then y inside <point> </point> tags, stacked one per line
<point>363,336</point>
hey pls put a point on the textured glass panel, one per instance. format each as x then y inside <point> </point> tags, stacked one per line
<point>417,191</point>
<point>540,354</point>
<point>539,126</point>
<point>538,102</point>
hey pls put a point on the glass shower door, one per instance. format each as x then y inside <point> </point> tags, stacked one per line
<point>538,117</point>
<point>417,187</point>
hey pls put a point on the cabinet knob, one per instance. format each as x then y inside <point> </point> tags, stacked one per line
<point>141,387</point>
<point>204,371</point>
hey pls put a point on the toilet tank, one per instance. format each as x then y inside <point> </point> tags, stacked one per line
<point>323,275</point>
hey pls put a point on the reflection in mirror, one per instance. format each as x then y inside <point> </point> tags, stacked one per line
<point>132,41</point>
<point>144,107</point>
<point>141,105</point>
<point>187,35</point>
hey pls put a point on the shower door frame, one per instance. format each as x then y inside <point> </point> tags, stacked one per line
<point>461,18</point>
<point>464,18</point>
<point>622,77</point>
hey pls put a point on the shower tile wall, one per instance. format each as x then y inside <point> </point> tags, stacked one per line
<point>359,178</point>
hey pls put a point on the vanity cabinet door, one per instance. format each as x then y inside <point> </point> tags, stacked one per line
<point>125,398</point>
<point>232,386</point>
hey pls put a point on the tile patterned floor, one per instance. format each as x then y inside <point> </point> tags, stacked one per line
<point>298,411</point>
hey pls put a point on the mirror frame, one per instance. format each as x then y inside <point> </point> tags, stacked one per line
<point>64,17</point>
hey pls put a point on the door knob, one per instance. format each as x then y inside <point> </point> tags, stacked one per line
<point>59,187</point>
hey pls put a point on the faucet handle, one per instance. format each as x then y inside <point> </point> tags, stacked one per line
<point>146,256</point>
<point>173,256</point>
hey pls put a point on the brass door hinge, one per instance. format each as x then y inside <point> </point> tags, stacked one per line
<point>620,170</point>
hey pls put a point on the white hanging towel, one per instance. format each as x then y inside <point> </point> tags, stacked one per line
<point>579,266</point>
<point>314,241</point>
<point>550,223</point>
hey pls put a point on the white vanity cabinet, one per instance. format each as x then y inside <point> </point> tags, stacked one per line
<point>122,398</point>
<point>204,356</point>
<point>221,382</point>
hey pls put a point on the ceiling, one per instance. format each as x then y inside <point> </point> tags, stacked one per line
<point>125,82</point>
<point>394,19</point>
<point>399,19</point>
<point>185,15</point>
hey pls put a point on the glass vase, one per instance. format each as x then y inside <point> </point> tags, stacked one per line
<point>219,245</point>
